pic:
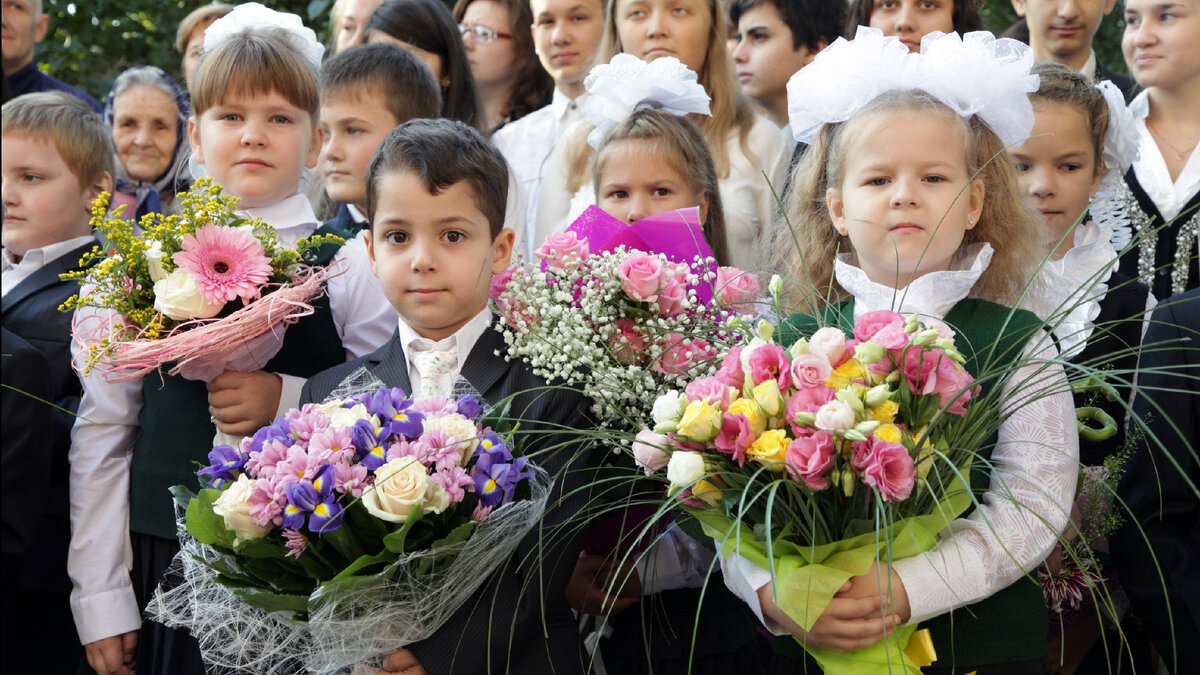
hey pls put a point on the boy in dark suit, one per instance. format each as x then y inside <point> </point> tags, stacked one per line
<point>57,158</point>
<point>1062,31</point>
<point>435,196</point>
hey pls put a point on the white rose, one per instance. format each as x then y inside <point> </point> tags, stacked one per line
<point>648,451</point>
<point>342,416</point>
<point>234,506</point>
<point>154,257</point>
<point>667,410</point>
<point>457,426</point>
<point>400,485</point>
<point>834,416</point>
<point>685,468</point>
<point>178,296</point>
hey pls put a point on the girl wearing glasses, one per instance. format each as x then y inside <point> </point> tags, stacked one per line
<point>508,76</point>
<point>427,29</point>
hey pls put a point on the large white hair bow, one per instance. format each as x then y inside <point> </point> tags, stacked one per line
<point>252,15</point>
<point>1121,141</point>
<point>627,84</point>
<point>976,74</point>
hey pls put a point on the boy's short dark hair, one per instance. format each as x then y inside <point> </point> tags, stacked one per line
<point>391,73</point>
<point>76,131</point>
<point>812,22</point>
<point>442,153</point>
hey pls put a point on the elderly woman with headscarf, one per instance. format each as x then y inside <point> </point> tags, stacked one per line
<point>148,112</point>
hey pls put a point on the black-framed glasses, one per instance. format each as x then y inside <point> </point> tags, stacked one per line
<point>482,33</point>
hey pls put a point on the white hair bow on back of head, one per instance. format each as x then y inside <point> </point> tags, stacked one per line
<point>252,15</point>
<point>627,84</point>
<point>1121,141</point>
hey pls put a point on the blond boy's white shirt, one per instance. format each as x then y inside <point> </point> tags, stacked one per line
<point>100,557</point>
<point>13,271</point>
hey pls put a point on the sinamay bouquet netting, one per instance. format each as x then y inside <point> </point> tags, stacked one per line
<point>353,621</point>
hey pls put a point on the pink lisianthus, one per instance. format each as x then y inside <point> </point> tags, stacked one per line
<point>267,500</point>
<point>860,454</point>
<point>735,437</point>
<point>828,343</point>
<point>810,370</point>
<point>770,362</point>
<point>883,327</point>
<point>561,249</point>
<point>226,262</point>
<point>262,464</point>
<point>730,371</point>
<point>809,459</point>
<point>681,354</point>
<point>889,469</point>
<point>454,480</point>
<point>806,400</point>
<point>350,478</point>
<point>628,343</point>
<point>735,287</point>
<point>709,389</point>
<point>930,372</point>
<point>672,297</point>
<point>641,276</point>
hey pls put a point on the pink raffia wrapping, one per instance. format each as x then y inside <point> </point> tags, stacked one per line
<point>204,348</point>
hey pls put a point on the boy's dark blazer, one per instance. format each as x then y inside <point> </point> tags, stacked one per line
<point>1128,86</point>
<point>519,622</point>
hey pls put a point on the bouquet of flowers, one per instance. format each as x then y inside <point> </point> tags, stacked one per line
<point>346,529</point>
<point>817,460</point>
<point>627,311</point>
<point>204,290</point>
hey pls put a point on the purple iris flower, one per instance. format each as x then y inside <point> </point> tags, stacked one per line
<point>370,443</point>
<point>225,462</point>
<point>494,446</point>
<point>301,499</point>
<point>406,423</point>
<point>278,430</point>
<point>468,406</point>
<point>326,516</point>
<point>496,475</point>
<point>317,499</point>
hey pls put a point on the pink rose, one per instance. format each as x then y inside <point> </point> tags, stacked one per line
<point>560,249</point>
<point>810,370</point>
<point>730,371</point>
<point>648,451</point>
<point>681,354</point>
<point>891,337</point>
<point>829,343</point>
<point>806,400</point>
<point>641,276</point>
<point>873,322</point>
<point>629,342</point>
<point>735,286</point>
<point>770,361</point>
<point>735,436</point>
<point>889,469</point>
<point>809,458</point>
<point>672,297</point>
<point>709,389</point>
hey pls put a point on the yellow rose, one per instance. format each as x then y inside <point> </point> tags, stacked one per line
<point>843,375</point>
<point>888,432</point>
<point>770,448</point>
<point>706,492</point>
<point>754,414</point>
<point>700,422</point>
<point>768,397</point>
<point>884,412</point>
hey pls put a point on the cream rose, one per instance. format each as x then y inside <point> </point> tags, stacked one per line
<point>234,506</point>
<point>685,468</point>
<point>400,485</point>
<point>457,426</point>
<point>179,297</point>
<point>154,258</point>
<point>342,416</point>
<point>667,410</point>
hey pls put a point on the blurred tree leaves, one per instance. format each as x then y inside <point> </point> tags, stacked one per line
<point>91,41</point>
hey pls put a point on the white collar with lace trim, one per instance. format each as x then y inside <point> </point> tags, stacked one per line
<point>1069,297</point>
<point>931,295</point>
<point>293,218</point>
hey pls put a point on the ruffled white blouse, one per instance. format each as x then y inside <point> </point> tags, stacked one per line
<point>1069,297</point>
<point>1035,465</point>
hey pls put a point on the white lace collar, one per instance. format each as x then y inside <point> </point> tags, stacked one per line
<point>293,218</point>
<point>1069,297</point>
<point>931,295</point>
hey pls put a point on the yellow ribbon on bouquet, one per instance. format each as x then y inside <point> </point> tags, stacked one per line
<point>920,648</point>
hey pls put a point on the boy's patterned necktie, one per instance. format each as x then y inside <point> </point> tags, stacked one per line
<point>435,369</point>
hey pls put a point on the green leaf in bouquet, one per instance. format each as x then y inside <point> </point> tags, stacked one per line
<point>370,529</point>
<point>182,496</point>
<point>260,548</point>
<point>365,562</point>
<point>394,542</point>
<point>345,542</point>
<point>227,576</point>
<point>204,524</point>
<point>440,563</point>
<point>276,602</point>
<point>499,417</point>
<point>277,575</point>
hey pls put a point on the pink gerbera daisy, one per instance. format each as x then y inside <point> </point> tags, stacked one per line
<point>227,263</point>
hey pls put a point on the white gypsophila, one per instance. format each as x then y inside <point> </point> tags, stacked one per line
<point>572,325</point>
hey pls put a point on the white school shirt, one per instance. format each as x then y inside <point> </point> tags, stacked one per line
<point>1151,169</point>
<point>100,556</point>
<point>1035,465</point>
<point>749,204</point>
<point>464,339</point>
<point>527,144</point>
<point>14,272</point>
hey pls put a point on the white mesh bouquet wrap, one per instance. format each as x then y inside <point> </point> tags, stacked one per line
<point>254,16</point>
<point>351,621</point>
<point>627,84</point>
<point>976,74</point>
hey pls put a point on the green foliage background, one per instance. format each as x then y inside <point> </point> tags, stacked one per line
<point>91,41</point>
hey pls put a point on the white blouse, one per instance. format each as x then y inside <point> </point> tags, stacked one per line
<point>1035,466</point>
